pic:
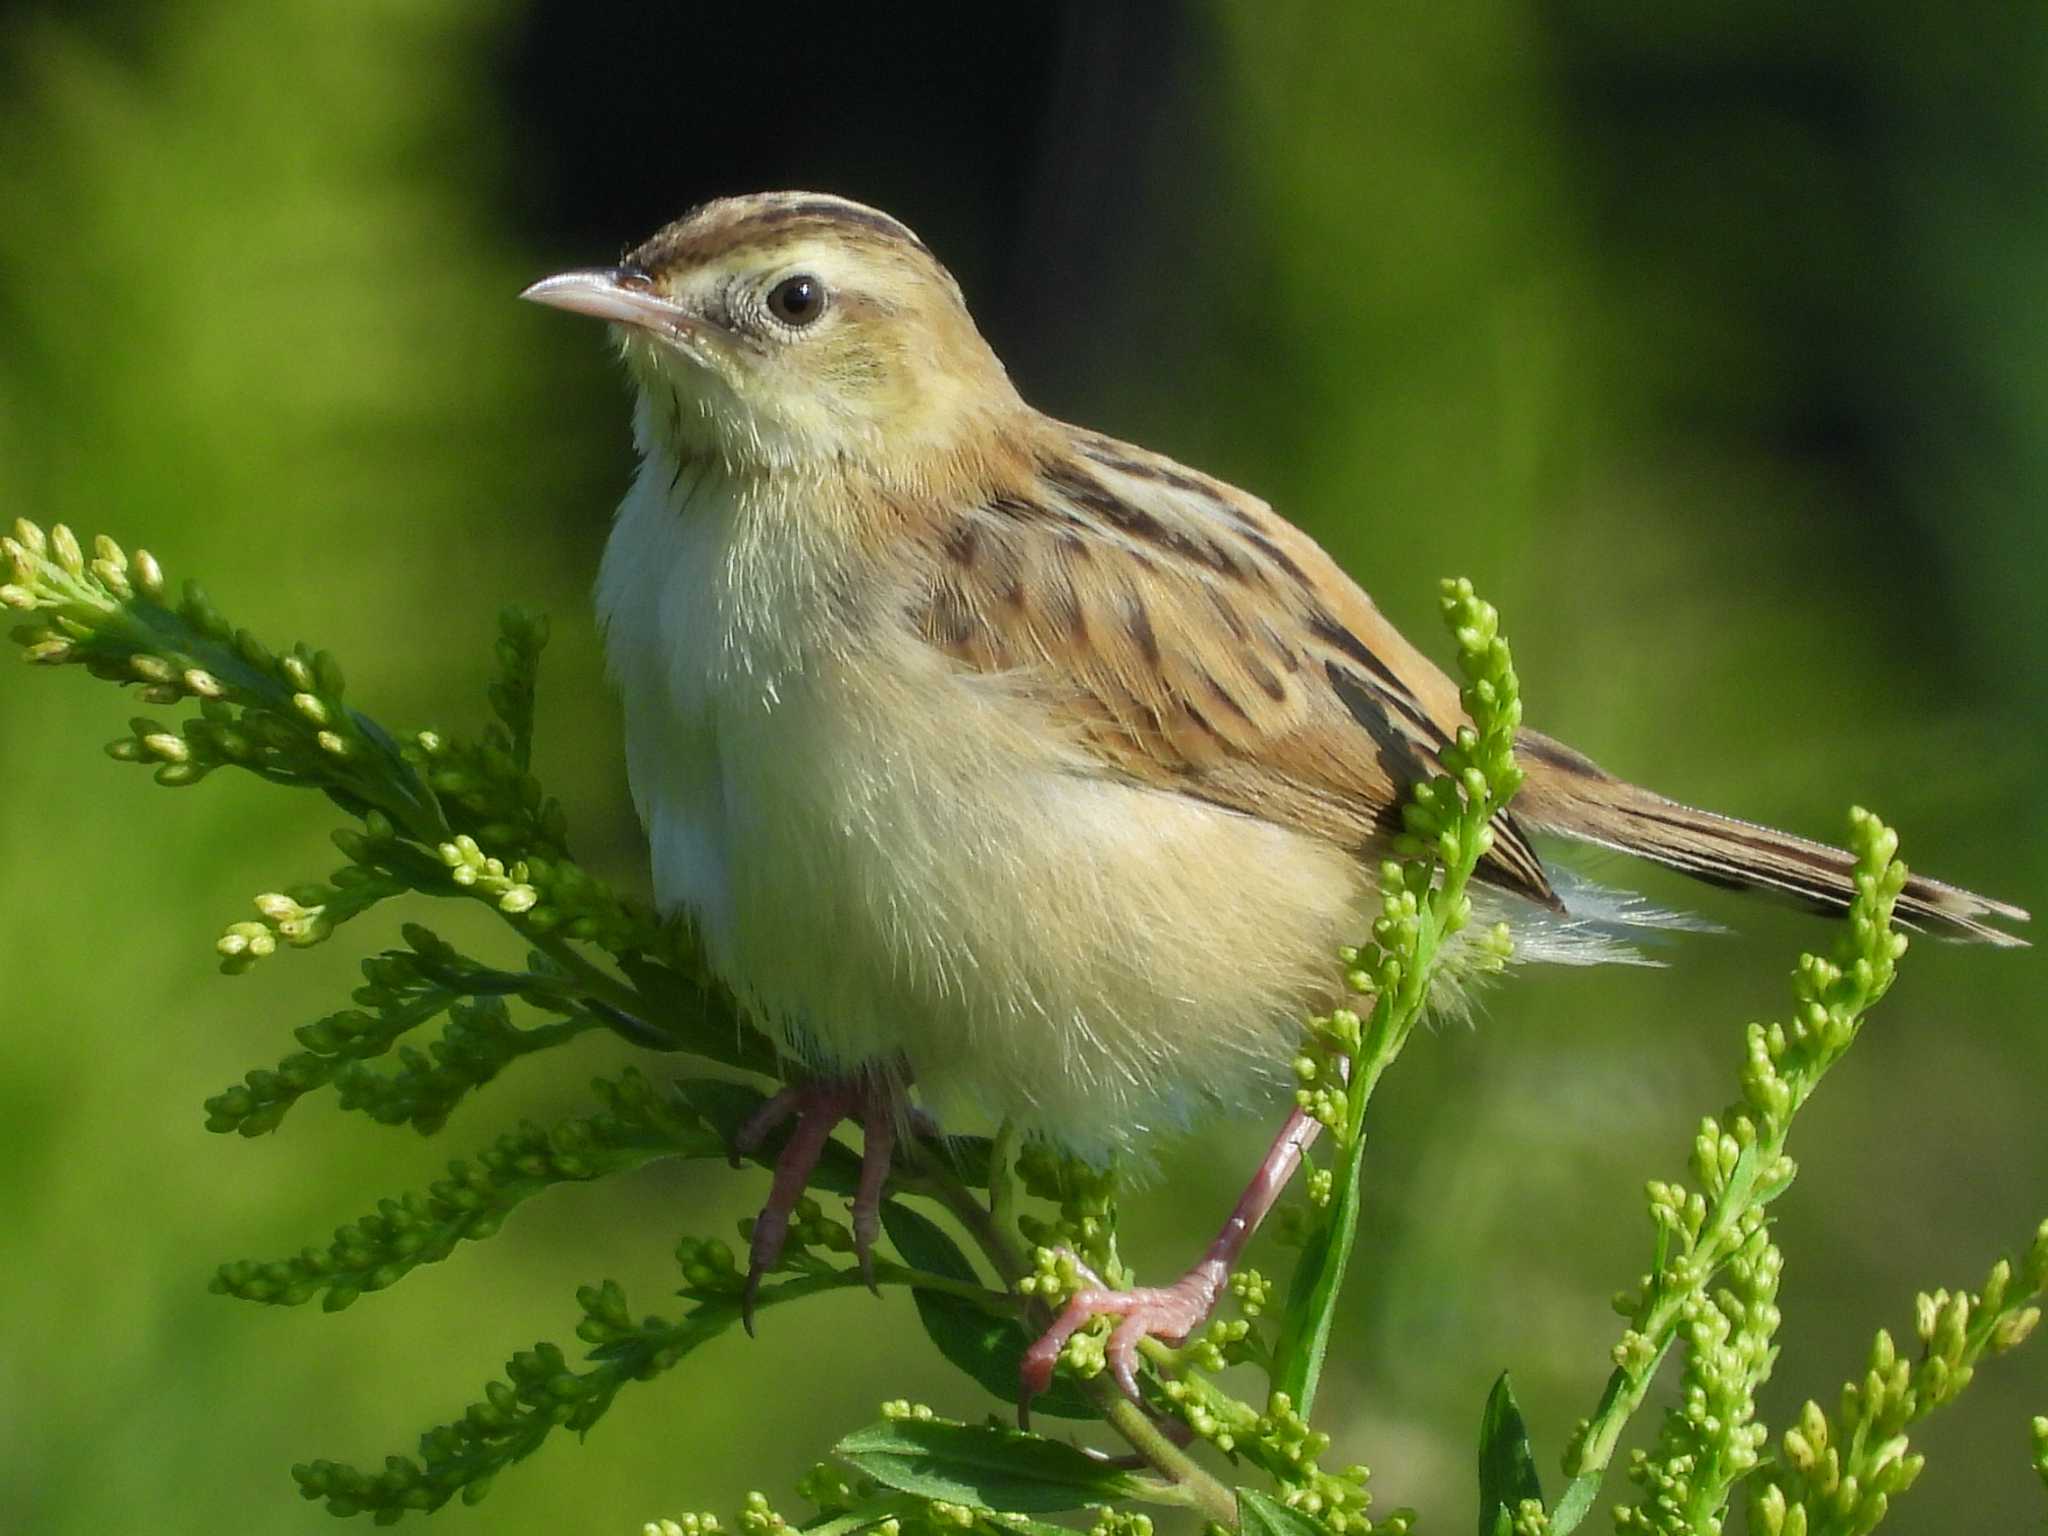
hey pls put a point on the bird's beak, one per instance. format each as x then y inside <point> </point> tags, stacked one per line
<point>624,295</point>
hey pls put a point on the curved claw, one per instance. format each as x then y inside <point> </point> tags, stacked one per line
<point>818,1108</point>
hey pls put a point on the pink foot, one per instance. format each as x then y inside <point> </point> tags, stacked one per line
<point>818,1107</point>
<point>1172,1312</point>
<point>1165,1312</point>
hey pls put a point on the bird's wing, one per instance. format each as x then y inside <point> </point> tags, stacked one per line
<point>1198,643</point>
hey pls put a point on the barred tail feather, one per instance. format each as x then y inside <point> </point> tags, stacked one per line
<point>1568,794</point>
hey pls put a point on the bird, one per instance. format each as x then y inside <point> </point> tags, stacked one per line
<point>1017,768</point>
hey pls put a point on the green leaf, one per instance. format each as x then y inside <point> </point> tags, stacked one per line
<point>1576,1500</point>
<point>1507,1470</point>
<point>974,1340</point>
<point>1312,1295</point>
<point>1260,1515</point>
<point>984,1466</point>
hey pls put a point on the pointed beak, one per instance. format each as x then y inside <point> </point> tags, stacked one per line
<point>623,295</point>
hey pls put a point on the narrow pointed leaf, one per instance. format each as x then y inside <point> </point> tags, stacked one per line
<point>1259,1514</point>
<point>1507,1468</point>
<point>1312,1295</point>
<point>984,1466</point>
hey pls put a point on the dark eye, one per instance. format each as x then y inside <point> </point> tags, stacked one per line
<point>797,300</point>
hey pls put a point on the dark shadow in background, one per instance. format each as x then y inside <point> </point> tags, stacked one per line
<point>1041,150</point>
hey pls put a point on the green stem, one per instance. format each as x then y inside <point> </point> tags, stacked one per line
<point>1657,1320</point>
<point>1203,1491</point>
<point>1002,1188</point>
<point>594,980</point>
<point>998,1302</point>
<point>1303,1346</point>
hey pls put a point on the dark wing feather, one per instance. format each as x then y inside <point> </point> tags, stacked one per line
<point>1196,642</point>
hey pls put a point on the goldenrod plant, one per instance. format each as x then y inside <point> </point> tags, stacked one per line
<point>989,1236</point>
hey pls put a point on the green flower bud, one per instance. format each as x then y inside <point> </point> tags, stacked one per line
<point>65,551</point>
<point>2013,1329</point>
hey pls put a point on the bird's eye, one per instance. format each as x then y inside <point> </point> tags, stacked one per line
<point>797,300</point>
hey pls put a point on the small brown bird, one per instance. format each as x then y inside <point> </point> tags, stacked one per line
<point>1001,757</point>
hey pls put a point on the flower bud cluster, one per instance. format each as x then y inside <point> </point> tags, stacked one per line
<point>478,1041</point>
<point>758,1518</point>
<point>1085,1228</point>
<point>1115,1522</point>
<point>1251,1290</point>
<point>486,790</point>
<point>1716,1231</point>
<point>51,574</point>
<point>689,1525</point>
<point>471,1203</point>
<point>472,869</point>
<point>540,1393</point>
<point>1222,1342</point>
<point>1334,1039</point>
<point>1056,1277</point>
<point>1710,1440</point>
<point>709,1268</point>
<point>300,918</point>
<point>402,990</point>
<point>1281,1441</point>
<point>281,717</point>
<point>1492,695</point>
<point>552,895</point>
<point>1843,1473</point>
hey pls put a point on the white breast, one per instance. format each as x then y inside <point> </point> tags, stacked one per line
<point>891,857</point>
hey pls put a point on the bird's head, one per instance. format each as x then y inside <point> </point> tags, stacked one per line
<point>794,332</point>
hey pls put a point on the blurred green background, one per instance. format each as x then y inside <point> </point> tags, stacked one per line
<point>1707,338</point>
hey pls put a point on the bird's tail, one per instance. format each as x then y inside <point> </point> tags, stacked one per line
<point>1568,794</point>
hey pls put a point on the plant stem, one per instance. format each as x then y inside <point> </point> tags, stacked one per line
<point>594,980</point>
<point>1204,1492</point>
<point>1658,1321</point>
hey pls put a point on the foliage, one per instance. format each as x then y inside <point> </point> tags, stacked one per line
<point>458,820</point>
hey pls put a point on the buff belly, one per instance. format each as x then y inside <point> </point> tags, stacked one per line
<point>894,860</point>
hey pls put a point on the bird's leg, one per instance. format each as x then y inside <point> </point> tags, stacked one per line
<point>817,1108</point>
<point>877,1143</point>
<point>1171,1312</point>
